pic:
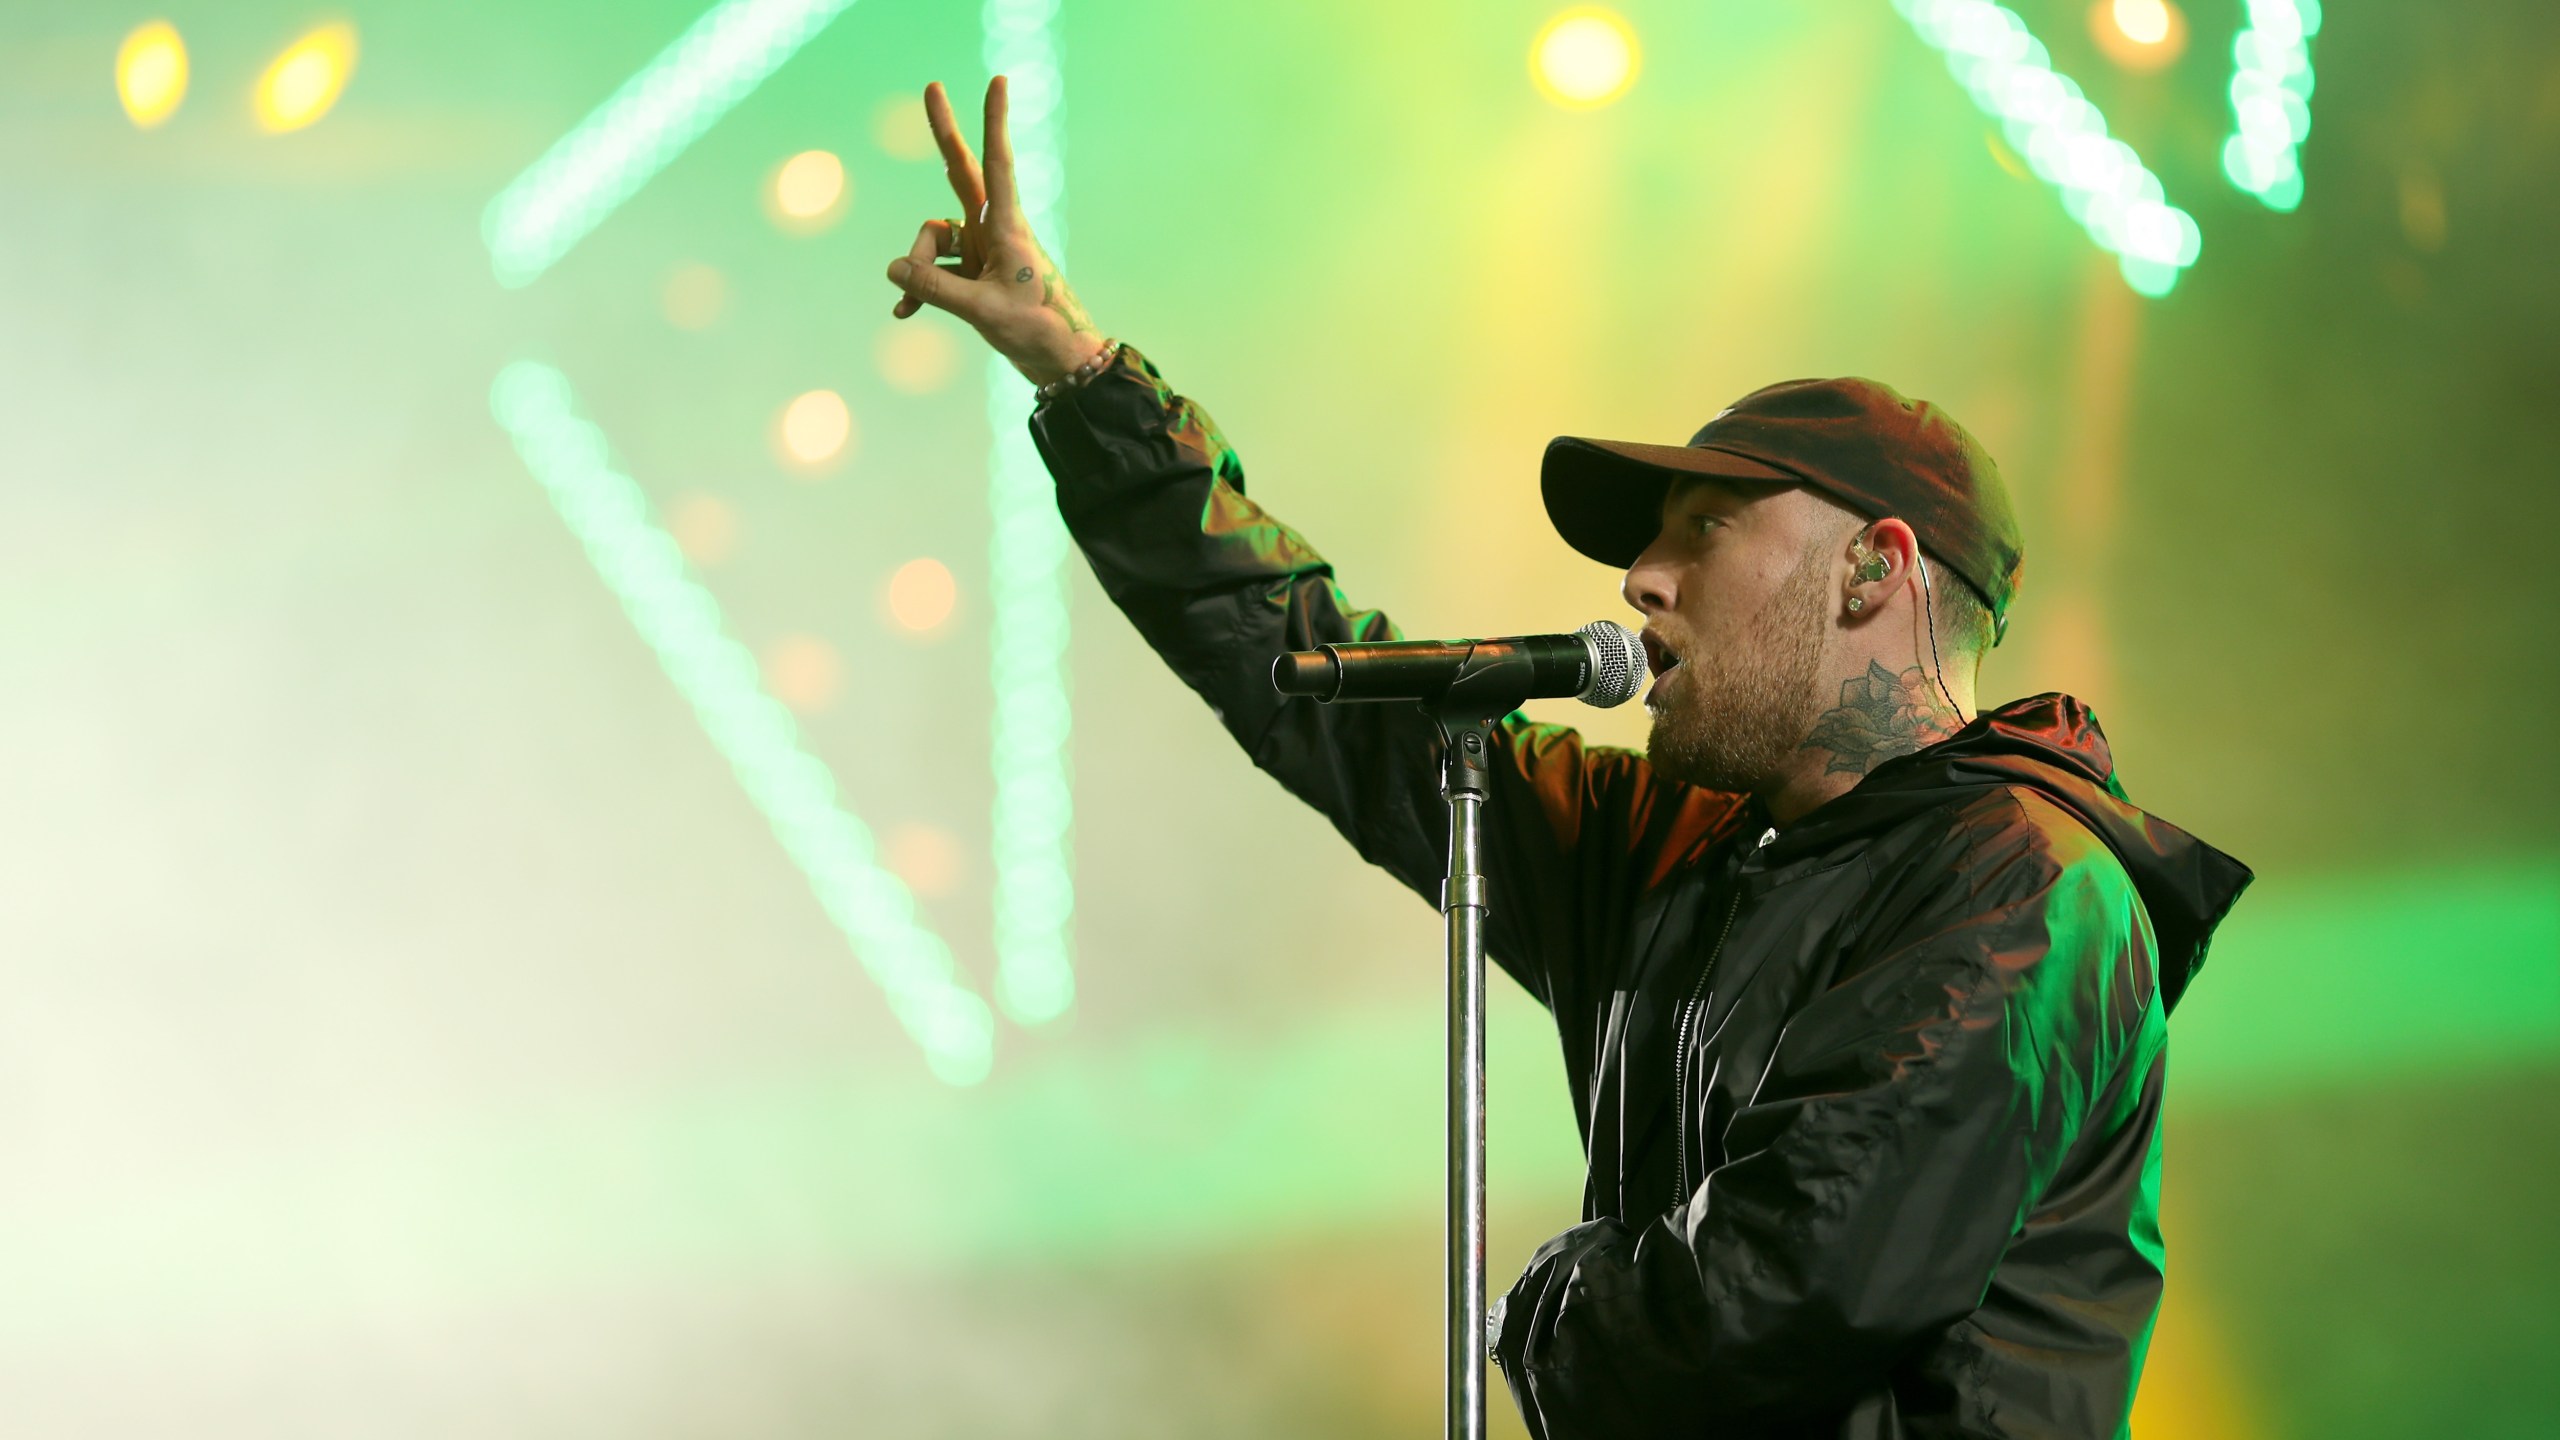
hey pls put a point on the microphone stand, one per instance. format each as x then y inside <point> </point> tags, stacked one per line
<point>1483,691</point>
<point>1465,776</point>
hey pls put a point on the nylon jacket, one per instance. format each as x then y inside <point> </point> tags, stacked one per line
<point>1870,1106</point>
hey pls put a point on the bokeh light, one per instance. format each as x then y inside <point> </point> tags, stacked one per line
<point>705,527</point>
<point>2271,88</point>
<point>808,191</point>
<point>750,727</point>
<point>2049,122</point>
<point>922,595</point>
<point>803,672</point>
<point>664,107</point>
<point>1584,58</point>
<point>695,297</point>
<point>304,82</point>
<point>927,857</point>
<point>2139,35</point>
<point>2144,22</point>
<point>899,128</point>
<point>815,429</point>
<point>917,356</point>
<point>151,73</point>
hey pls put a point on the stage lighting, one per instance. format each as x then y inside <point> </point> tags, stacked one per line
<point>803,672</point>
<point>922,595</point>
<point>1031,855</point>
<point>2271,100</point>
<point>2048,121</point>
<point>1584,58</point>
<point>2139,35</point>
<point>808,191</point>
<point>590,171</point>
<point>705,527</point>
<point>2144,22</point>
<point>682,624</point>
<point>815,428</point>
<point>927,857</point>
<point>303,83</point>
<point>151,73</point>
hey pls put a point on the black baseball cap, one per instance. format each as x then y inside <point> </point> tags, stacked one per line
<point>1857,441</point>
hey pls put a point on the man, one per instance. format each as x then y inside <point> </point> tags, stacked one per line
<point>1862,997</point>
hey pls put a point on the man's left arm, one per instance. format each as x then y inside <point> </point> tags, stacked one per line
<point>1913,1115</point>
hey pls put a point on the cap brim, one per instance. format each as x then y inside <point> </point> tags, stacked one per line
<point>1605,496</point>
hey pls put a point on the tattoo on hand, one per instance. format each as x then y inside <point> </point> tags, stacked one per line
<point>1022,276</point>
<point>1055,295</point>
<point>1880,715</point>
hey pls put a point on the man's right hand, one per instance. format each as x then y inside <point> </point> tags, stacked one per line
<point>1000,280</point>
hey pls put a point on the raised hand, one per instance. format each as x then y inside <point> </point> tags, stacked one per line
<point>986,266</point>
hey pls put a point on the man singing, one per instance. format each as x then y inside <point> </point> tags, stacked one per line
<point>1863,995</point>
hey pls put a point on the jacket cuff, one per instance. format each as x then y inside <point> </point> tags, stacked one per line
<point>1077,429</point>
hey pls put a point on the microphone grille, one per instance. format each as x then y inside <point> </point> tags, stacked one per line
<point>1618,666</point>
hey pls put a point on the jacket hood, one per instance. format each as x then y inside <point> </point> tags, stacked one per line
<point>2052,744</point>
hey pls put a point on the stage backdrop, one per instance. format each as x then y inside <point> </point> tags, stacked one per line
<point>578,859</point>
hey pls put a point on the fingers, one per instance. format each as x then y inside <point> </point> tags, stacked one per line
<point>1004,207</point>
<point>936,239</point>
<point>927,283</point>
<point>957,163</point>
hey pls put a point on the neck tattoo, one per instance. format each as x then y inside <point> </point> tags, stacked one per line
<point>1880,715</point>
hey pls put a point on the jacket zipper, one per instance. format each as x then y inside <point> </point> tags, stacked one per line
<point>1688,1014</point>
<point>1680,1057</point>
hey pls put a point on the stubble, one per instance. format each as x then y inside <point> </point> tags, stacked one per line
<point>1736,716</point>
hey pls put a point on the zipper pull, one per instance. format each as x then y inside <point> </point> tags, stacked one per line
<point>1766,836</point>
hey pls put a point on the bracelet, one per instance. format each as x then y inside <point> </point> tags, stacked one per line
<point>1100,362</point>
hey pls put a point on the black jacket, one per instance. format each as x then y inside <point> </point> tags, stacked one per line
<point>1871,1105</point>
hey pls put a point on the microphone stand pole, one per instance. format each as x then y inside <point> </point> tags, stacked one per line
<point>1465,776</point>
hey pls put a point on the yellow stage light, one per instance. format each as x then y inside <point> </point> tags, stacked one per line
<point>922,595</point>
<point>151,73</point>
<point>808,191</point>
<point>705,527</point>
<point>301,84</point>
<point>804,673</point>
<point>927,857</point>
<point>1585,58</point>
<point>815,428</point>
<point>2140,35</point>
<point>2144,22</point>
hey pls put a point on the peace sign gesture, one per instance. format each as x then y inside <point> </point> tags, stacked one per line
<point>986,266</point>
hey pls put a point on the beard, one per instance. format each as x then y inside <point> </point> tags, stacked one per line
<point>1736,715</point>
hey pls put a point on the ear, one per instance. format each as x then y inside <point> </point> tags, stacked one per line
<point>1882,558</point>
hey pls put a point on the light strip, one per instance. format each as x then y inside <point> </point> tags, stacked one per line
<point>681,621</point>
<point>662,108</point>
<point>1034,804</point>
<point>2271,100</point>
<point>2104,184</point>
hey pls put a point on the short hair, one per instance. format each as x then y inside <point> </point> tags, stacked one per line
<point>1963,616</point>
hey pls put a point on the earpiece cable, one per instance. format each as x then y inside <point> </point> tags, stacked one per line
<point>1938,671</point>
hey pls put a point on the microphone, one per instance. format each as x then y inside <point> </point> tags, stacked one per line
<point>1602,663</point>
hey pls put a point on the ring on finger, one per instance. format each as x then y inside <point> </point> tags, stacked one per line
<point>951,237</point>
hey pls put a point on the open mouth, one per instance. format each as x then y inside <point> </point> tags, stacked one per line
<point>1659,657</point>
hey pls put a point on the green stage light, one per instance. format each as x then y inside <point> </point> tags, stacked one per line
<point>2271,100</point>
<point>2103,183</point>
<point>661,109</point>
<point>1026,557</point>
<point>681,621</point>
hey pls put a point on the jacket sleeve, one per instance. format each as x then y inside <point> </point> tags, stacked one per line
<point>1155,498</point>
<point>1913,1114</point>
